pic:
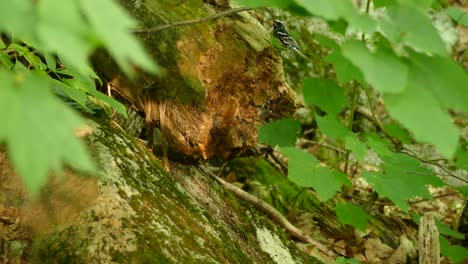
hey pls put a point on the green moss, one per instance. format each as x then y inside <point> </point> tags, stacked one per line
<point>151,258</point>
<point>165,225</point>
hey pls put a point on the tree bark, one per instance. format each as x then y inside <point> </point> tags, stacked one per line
<point>133,212</point>
<point>222,79</point>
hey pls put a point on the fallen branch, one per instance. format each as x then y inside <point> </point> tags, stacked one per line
<point>193,21</point>
<point>271,211</point>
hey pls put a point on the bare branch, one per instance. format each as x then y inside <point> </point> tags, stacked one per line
<point>271,211</point>
<point>193,21</point>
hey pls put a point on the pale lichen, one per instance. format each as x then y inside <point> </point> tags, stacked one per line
<point>274,247</point>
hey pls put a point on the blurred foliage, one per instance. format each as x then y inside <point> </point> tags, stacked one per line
<point>45,50</point>
<point>383,74</point>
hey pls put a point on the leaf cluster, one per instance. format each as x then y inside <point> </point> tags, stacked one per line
<point>45,49</point>
<point>394,52</point>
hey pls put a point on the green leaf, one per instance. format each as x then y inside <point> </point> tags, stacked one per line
<point>339,9</point>
<point>380,145</point>
<point>444,78</point>
<point>260,3</point>
<point>403,178</point>
<point>326,9</point>
<point>28,105</point>
<point>300,156</point>
<point>395,130</point>
<point>345,70</point>
<point>382,69</point>
<point>33,60</point>
<point>463,190</point>
<point>87,85</point>
<point>343,260</point>
<point>422,4</point>
<point>2,44</point>
<point>65,32</point>
<point>6,60</point>
<point>458,15</point>
<point>456,253</point>
<point>358,148</point>
<point>411,26</point>
<point>446,230</point>
<point>305,170</point>
<point>17,17</point>
<point>289,5</point>
<point>110,22</point>
<point>384,3</point>
<point>119,107</point>
<point>350,214</point>
<point>325,94</point>
<point>462,157</point>
<point>51,61</point>
<point>326,41</point>
<point>430,124</point>
<point>332,127</point>
<point>281,132</point>
<point>76,95</point>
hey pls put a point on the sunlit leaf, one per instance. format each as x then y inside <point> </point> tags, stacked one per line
<point>458,15</point>
<point>17,17</point>
<point>358,148</point>
<point>283,132</point>
<point>444,78</point>
<point>305,171</point>
<point>6,60</point>
<point>410,25</point>
<point>325,94</point>
<point>340,9</point>
<point>112,24</point>
<point>350,214</point>
<point>345,70</point>
<point>395,130</point>
<point>402,178</point>
<point>333,128</point>
<point>456,253</point>
<point>429,123</point>
<point>462,157</point>
<point>39,130</point>
<point>382,69</point>
<point>65,32</point>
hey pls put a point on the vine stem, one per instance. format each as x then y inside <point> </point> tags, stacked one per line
<point>270,211</point>
<point>355,96</point>
<point>351,119</point>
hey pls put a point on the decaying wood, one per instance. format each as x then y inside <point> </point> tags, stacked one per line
<point>221,78</point>
<point>429,246</point>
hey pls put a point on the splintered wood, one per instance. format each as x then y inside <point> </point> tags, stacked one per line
<point>222,80</point>
<point>429,247</point>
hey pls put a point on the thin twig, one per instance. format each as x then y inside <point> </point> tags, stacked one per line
<point>434,164</point>
<point>351,119</point>
<point>193,21</point>
<point>434,198</point>
<point>271,211</point>
<point>271,152</point>
<point>303,142</point>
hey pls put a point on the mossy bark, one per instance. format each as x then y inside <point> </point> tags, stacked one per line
<point>133,212</point>
<point>223,77</point>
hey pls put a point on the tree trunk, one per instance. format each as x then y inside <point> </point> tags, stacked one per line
<point>133,212</point>
<point>222,79</point>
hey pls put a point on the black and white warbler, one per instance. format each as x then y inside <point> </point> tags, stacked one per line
<point>281,33</point>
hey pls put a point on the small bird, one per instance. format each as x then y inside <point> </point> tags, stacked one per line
<point>281,33</point>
